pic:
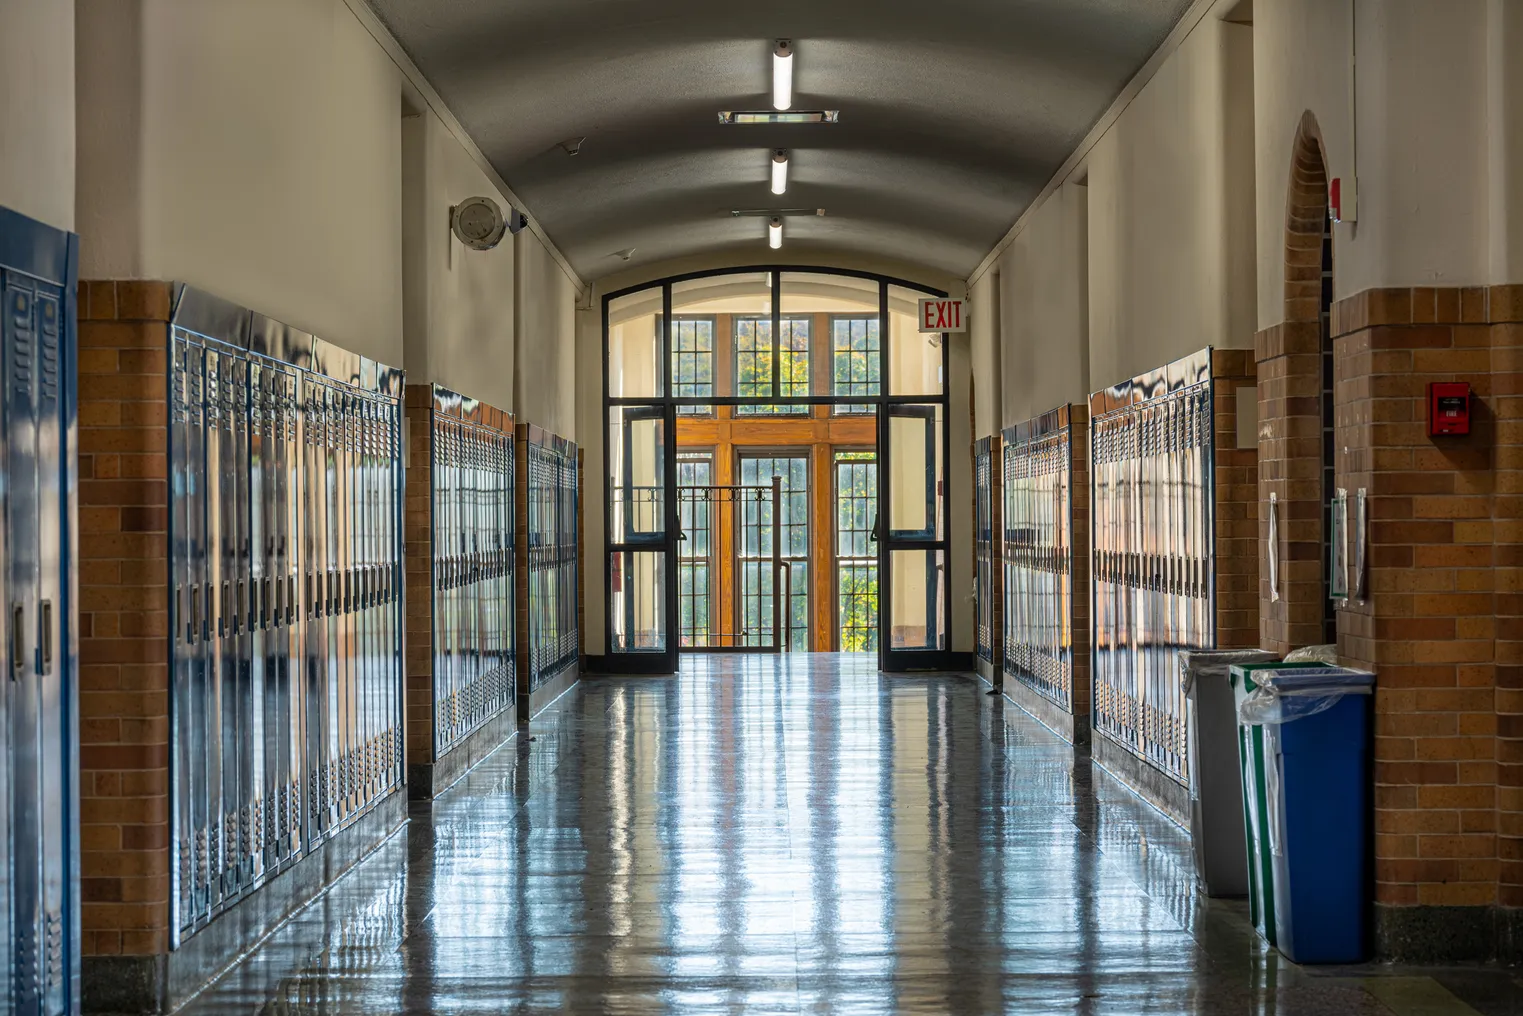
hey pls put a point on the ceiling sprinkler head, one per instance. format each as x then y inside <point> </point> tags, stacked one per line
<point>623,255</point>
<point>571,146</point>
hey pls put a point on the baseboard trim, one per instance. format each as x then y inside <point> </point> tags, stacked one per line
<point>1152,785</point>
<point>1048,713</point>
<point>162,983</point>
<point>552,688</point>
<point>427,780</point>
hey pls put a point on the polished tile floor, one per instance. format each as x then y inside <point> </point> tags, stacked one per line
<point>805,835</point>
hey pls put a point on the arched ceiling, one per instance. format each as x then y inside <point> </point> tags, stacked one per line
<point>954,114</point>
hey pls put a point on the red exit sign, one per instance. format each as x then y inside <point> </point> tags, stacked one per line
<point>943,316</point>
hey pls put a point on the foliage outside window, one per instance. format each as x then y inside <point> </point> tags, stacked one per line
<point>753,364</point>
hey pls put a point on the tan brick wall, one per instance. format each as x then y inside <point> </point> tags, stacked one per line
<point>1078,448</point>
<point>1237,492</point>
<point>421,404</point>
<point>417,534</point>
<point>1439,625</point>
<point>1290,415</point>
<point>124,618</point>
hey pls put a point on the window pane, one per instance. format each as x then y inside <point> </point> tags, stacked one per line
<point>696,571</point>
<point>914,359</point>
<point>857,551</point>
<point>756,542</point>
<point>637,601</point>
<point>634,345</point>
<point>693,361</point>
<point>915,472</point>
<point>755,355</point>
<point>722,299</point>
<point>856,360</point>
<point>636,473</point>
<point>917,622</point>
<point>823,299</point>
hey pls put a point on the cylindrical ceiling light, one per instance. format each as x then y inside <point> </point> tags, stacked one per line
<point>775,233</point>
<point>779,170</point>
<point>782,74</point>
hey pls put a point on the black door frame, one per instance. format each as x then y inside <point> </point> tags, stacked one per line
<point>889,659</point>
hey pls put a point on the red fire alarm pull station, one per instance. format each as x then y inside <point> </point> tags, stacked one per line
<point>1448,408</point>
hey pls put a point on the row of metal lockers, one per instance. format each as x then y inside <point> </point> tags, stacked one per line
<point>1152,555</point>
<point>286,565</point>
<point>39,779</point>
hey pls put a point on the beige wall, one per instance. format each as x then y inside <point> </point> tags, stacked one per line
<point>984,353</point>
<point>252,149</point>
<point>1171,250</point>
<point>546,341</point>
<point>459,303</point>
<point>37,109</point>
<point>1439,99</point>
<point>1045,309</point>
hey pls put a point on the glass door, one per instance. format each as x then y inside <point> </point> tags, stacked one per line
<point>641,549</point>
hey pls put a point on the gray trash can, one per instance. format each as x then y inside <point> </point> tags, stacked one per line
<point>1216,787</point>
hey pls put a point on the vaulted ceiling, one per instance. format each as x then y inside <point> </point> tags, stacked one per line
<point>954,114</point>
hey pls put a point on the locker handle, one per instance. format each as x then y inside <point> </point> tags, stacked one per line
<point>180,609</point>
<point>290,599</point>
<point>244,609</point>
<point>46,617</point>
<point>272,600</point>
<point>18,640</point>
<point>227,596</point>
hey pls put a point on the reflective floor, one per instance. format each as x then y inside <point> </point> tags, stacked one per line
<point>805,835</point>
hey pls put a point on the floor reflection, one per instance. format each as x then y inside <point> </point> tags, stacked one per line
<point>802,835</point>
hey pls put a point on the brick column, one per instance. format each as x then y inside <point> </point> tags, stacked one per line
<point>1438,623</point>
<point>1079,602</point>
<point>124,626</point>
<point>418,537</point>
<point>1290,467</point>
<point>1237,493</point>
<point>429,771</point>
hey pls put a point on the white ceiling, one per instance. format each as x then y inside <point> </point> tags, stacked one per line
<point>953,115</point>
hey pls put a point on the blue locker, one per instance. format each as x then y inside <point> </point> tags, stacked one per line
<point>38,708</point>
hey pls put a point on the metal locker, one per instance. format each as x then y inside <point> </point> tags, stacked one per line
<point>275,542</point>
<point>39,861</point>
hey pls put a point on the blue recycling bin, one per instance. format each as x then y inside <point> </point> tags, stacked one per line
<point>1318,786</point>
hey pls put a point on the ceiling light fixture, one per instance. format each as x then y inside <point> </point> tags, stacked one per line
<point>775,233</point>
<point>780,213</point>
<point>782,74</point>
<point>779,171</point>
<point>747,117</point>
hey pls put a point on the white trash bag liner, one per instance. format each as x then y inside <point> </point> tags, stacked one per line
<point>1286,695</point>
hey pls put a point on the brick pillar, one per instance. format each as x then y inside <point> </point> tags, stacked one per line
<point>1440,611</point>
<point>123,625</point>
<point>1237,494</point>
<point>418,535</point>
<point>1290,414</point>
<point>1505,312</point>
<point>1079,601</point>
<point>1290,467</point>
<point>429,407</point>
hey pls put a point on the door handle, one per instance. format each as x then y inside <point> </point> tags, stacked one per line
<point>46,620</point>
<point>18,641</point>
<point>873,536</point>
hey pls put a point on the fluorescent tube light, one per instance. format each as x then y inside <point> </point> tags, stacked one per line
<point>775,233</point>
<point>782,75</point>
<point>779,171</point>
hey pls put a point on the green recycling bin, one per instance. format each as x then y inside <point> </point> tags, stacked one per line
<point>1251,758</point>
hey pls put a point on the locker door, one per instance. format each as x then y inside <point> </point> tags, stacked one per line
<point>21,631</point>
<point>54,731</point>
